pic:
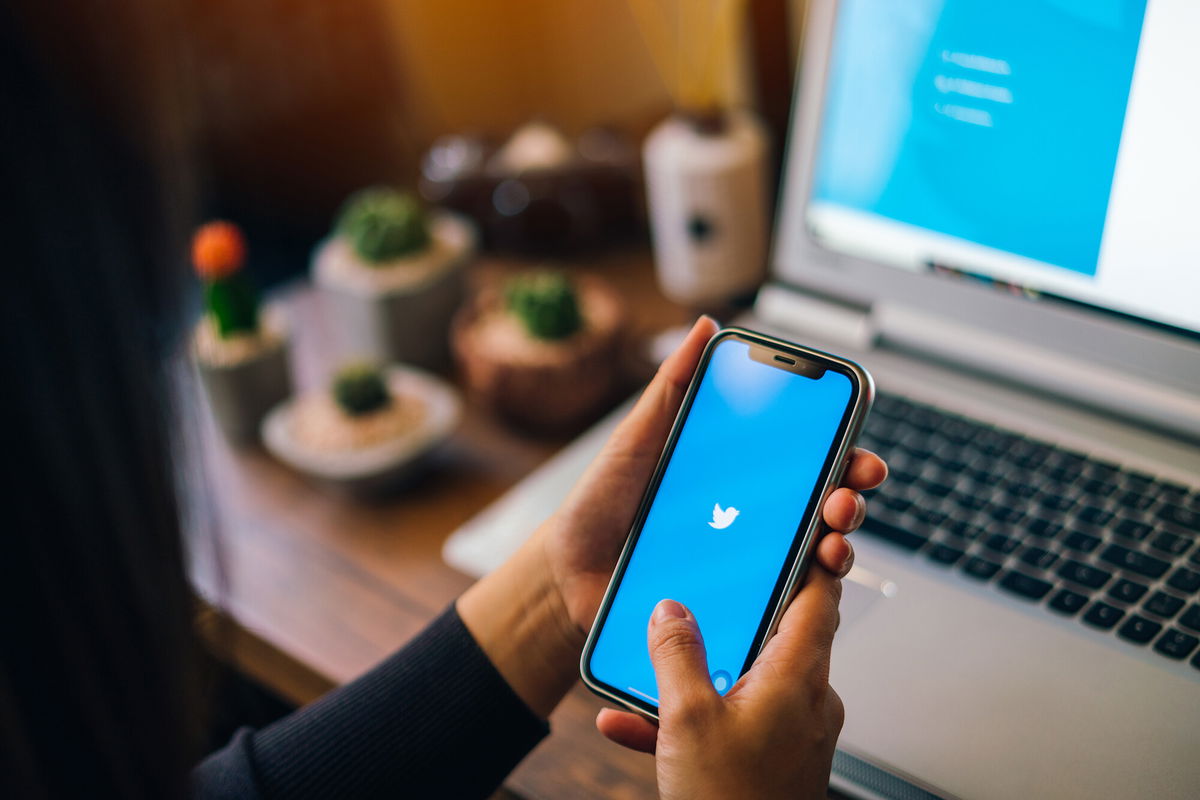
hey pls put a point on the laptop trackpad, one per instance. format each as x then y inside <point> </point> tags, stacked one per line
<point>983,696</point>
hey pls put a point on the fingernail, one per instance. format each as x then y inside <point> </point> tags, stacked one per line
<point>848,563</point>
<point>711,320</point>
<point>668,609</point>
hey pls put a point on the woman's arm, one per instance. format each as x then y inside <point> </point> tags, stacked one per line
<point>434,719</point>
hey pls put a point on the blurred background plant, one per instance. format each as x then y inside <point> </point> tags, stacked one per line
<point>360,388</point>
<point>230,300</point>
<point>383,224</point>
<point>546,304</point>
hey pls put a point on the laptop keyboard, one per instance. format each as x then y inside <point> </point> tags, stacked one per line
<point>1112,548</point>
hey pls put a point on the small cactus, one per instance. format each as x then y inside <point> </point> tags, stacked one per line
<point>218,255</point>
<point>546,303</point>
<point>382,224</point>
<point>360,389</point>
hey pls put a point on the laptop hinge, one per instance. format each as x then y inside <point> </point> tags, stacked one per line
<point>808,316</point>
<point>1101,387</point>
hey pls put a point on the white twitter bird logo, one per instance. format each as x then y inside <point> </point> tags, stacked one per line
<point>723,518</point>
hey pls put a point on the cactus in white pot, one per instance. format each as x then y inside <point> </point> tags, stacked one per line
<point>240,350</point>
<point>391,276</point>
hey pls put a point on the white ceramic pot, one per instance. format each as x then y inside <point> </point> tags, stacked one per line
<point>244,380</point>
<point>398,311</point>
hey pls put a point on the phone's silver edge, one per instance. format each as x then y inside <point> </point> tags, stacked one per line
<point>862,405</point>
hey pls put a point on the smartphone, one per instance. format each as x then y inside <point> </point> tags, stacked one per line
<point>732,513</point>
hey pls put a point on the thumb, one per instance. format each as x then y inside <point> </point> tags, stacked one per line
<point>680,662</point>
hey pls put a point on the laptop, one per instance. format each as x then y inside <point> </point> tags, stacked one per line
<point>994,207</point>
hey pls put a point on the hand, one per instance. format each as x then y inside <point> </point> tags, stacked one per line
<point>772,735</point>
<point>532,615</point>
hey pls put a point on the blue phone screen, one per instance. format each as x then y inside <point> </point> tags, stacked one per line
<point>731,500</point>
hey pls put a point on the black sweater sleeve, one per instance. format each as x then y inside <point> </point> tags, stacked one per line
<point>435,719</point>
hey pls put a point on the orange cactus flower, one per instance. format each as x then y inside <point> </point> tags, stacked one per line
<point>218,250</point>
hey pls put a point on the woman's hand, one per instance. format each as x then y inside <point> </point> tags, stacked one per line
<point>583,539</point>
<point>772,735</point>
<point>531,616</point>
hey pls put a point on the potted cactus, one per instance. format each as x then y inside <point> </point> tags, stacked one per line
<point>391,276</point>
<point>240,353</point>
<point>542,349</point>
<point>369,429</point>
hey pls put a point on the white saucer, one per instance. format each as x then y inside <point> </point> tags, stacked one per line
<point>381,465</point>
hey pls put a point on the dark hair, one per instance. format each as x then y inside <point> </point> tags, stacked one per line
<point>96,652</point>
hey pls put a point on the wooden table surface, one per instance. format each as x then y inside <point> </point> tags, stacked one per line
<point>320,586</point>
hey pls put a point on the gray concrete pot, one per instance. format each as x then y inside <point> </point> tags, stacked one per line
<point>399,311</point>
<point>241,392</point>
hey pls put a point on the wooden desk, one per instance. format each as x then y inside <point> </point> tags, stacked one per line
<point>320,587</point>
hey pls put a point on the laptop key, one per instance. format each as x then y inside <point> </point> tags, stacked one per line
<point>972,501</point>
<point>1176,644</point>
<point>1163,605</point>
<point>1102,615</point>
<point>1038,557</point>
<point>1181,515</point>
<point>902,537</point>
<point>1171,543</point>
<point>1132,529</point>
<point>1139,480</point>
<point>1058,502</point>
<point>1191,618</point>
<point>1068,602</point>
<point>1024,585</point>
<point>1007,514</point>
<point>1022,491</point>
<point>1127,591</point>
<point>944,554</point>
<point>1083,542</point>
<point>936,488</point>
<point>1135,500</point>
<point>980,568</point>
<point>1001,543</point>
<point>1132,560</point>
<point>1084,575</point>
<point>1184,580</point>
<point>1094,515</point>
<point>1139,630</point>
<point>896,503</point>
<point>1045,528</point>
<point>1098,487</point>
<point>962,529</point>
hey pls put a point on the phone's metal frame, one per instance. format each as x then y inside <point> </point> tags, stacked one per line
<point>807,533</point>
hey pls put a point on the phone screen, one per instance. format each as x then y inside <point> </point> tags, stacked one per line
<point>724,522</point>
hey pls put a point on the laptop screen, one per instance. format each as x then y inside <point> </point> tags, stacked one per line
<point>1048,147</point>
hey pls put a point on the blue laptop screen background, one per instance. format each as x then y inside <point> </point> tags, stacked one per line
<point>997,123</point>
<point>755,440</point>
